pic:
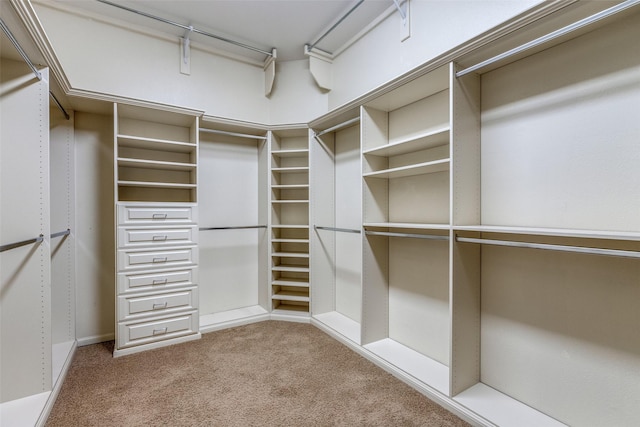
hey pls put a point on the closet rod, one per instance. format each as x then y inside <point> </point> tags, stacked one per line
<point>10,246</point>
<point>187,27</point>
<point>224,132</point>
<point>410,235</point>
<point>232,227</point>
<point>553,35</point>
<point>19,49</point>
<point>334,26</point>
<point>336,127</point>
<point>551,247</point>
<point>343,230</point>
<point>31,65</point>
<point>61,233</point>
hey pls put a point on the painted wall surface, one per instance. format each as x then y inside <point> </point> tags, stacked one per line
<point>119,61</point>
<point>95,236</point>
<point>437,26</point>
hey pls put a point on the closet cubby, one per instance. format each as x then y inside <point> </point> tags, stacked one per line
<point>337,223</point>
<point>545,261</point>
<point>289,221</point>
<point>156,155</point>
<point>407,155</point>
<point>234,235</point>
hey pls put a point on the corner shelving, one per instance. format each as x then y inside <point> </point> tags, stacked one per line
<point>289,222</point>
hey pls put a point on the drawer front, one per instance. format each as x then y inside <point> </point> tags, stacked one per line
<point>130,260</point>
<point>134,237</point>
<point>131,307</point>
<point>165,280</point>
<point>139,333</point>
<point>156,214</point>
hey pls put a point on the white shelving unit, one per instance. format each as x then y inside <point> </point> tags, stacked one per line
<point>155,162</point>
<point>233,182</point>
<point>289,222</point>
<point>337,220</point>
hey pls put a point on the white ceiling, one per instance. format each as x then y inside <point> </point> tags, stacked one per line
<point>286,25</point>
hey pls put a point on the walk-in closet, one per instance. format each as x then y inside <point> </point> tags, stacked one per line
<point>451,190</point>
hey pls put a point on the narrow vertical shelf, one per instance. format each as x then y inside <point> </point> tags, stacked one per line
<point>289,222</point>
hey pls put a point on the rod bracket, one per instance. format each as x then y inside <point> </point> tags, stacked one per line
<point>270,72</point>
<point>320,67</point>
<point>185,52</point>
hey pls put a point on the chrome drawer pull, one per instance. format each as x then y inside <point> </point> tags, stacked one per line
<point>159,306</point>
<point>159,238</point>
<point>160,281</point>
<point>160,331</point>
<point>160,259</point>
<point>159,216</point>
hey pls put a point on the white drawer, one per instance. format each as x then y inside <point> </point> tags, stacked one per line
<point>156,304</point>
<point>153,236</point>
<point>156,280</point>
<point>130,334</point>
<point>170,257</point>
<point>156,214</point>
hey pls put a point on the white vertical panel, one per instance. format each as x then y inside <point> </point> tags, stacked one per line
<point>25,293</point>
<point>229,194</point>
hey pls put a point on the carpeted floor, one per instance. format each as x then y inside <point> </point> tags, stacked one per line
<point>263,374</point>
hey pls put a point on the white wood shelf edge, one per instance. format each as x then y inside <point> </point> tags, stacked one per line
<point>289,201</point>
<point>155,164</point>
<point>291,226</point>
<point>290,153</point>
<point>411,170</point>
<point>290,170</point>
<point>231,318</point>
<point>423,141</point>
<point>419,366</point>
<point>301,283</point>
<point>290,186</point>
<point>148,143</point>
<point>291,296</point>
<point>155,184</point>
<point>341,324</point>
<point>553,232</point>
<point>290,254</point>
<point>290,268</point>
<point>502,409</point>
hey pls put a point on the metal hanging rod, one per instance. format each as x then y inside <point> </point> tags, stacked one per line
<point>551,247</point>
<point>187,27</point>
<point>238,227</point>
<point>224,132</point>
<point>342,230</point>
<point>339,126</point>
<point>553,35</point>
<point>64,112</point>
<point>10,246</point>
<point>61,233</point>
<point>31,65</point>
<point>409,235</point>
<point>334,26</point>
<point>19,49</point>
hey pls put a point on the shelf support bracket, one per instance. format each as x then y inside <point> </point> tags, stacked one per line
<point>320,67</point>
<point>185,52</point>
<point>270,72</point>
<point>403,10</point>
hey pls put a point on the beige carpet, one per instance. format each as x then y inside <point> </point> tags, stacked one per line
<point>263,374</point>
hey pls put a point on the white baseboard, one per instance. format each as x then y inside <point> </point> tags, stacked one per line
<point>95,339</point>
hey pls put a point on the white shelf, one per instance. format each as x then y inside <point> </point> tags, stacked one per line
<point>290,186</point>
<point>421,367</point>
<point>412,170</point>
<point>297,169</point>
<point>290,254</point>
<point>298,283</point>
<point>290,153</point>
<point>302,296</point>
<point>342,324</point>
<point>554,232</point>
<point>155,164</point>
<point>406,225</point>
<point>501,409</point>
<point>290,310</point>
<point>290,201</point>
<point>291,268</point>
<point>155,184</point>
<point>410,145</point>
<point>155,144</point>
<point>290,240</point>
<point>292,227</point>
